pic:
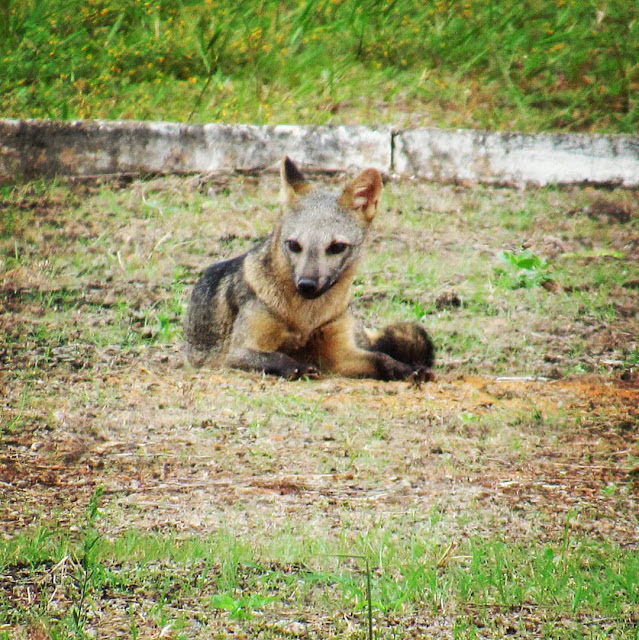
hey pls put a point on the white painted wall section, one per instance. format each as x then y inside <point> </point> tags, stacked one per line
<point>33,148</point>
<point>475,156</point>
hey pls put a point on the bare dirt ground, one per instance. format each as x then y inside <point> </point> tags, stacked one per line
<point>471,454</point>
<point>182,449</point>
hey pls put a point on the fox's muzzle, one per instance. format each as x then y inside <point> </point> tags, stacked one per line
<point>310,288</point>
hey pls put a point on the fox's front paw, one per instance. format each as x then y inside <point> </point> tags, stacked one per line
<point>390,369</point>
<point>303,371</point>
<point>421,375</point>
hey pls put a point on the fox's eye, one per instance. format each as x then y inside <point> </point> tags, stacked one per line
<point>294,246</point>
<point>336,248</point>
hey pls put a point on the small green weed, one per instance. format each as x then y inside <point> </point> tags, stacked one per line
<point>522,270</point>
<point>241,608</point>
<point>88,570</point>
<point>632,358</point>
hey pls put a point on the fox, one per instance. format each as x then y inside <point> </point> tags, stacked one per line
<point>283,307</point>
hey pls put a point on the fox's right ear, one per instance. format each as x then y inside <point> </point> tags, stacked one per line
<point>362,194</point>
<point>293,183</point>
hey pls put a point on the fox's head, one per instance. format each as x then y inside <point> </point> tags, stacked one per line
<point>321,234</point>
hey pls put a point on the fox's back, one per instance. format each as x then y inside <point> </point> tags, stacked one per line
<point>215,303</point>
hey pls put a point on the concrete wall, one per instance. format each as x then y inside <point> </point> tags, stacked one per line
<point>541,159</point>
<point>34,148</point>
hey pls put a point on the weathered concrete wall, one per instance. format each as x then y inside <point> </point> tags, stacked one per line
<point>42,147</point>
<point>519,159</point>
<point>32,148</point>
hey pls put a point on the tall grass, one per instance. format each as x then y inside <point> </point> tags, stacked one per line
<point>561,64</point>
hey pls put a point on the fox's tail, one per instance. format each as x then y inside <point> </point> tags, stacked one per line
<point>404,341</point>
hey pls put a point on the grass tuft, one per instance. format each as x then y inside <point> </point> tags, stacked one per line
<point>561,65</point>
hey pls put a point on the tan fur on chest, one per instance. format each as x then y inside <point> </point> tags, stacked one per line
<point>300,317</point>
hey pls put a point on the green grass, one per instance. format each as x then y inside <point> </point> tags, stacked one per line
<point>545,65</point>
<point>582,586</point>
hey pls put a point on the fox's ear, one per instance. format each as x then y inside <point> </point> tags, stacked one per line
<point>293,183</point>
<point>362,194</point>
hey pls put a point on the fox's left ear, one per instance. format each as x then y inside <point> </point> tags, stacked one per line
<point>362,194</point>
<point>293,183</point>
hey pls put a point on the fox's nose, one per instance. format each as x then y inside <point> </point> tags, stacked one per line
<point>307,287</point>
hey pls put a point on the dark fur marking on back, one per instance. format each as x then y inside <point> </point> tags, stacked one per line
<point>201,310</point>
<point>212,277</point>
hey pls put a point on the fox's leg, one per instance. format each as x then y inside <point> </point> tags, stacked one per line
<point>255,342</point>
<point>338,352</point>
<point>273,363</point>
<point>196,357</point>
